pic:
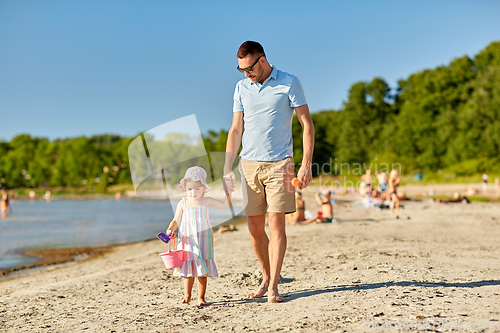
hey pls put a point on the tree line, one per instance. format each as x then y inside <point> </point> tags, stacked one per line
<point>446,118</point>
<point>97,161</point>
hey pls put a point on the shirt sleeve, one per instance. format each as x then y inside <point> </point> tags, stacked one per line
<point>237,105</point>
<point>296,93</point>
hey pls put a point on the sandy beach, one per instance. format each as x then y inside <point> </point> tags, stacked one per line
<point>434,268</point>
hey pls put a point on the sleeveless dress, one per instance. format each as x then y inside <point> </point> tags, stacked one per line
<point>196,239</point>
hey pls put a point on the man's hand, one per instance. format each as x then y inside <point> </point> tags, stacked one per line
<point>305,176</point>
<point>305,173</point>
<point>229,182</point>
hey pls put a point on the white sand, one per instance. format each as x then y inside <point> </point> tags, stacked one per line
<point>443,263</point>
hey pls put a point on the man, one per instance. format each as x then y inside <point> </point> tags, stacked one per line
<point>264,103</point>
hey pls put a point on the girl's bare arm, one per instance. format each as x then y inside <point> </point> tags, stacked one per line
<point>177,217</point>
<point>217,203</point>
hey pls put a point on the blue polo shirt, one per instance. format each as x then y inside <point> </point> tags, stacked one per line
<point>267,112</point>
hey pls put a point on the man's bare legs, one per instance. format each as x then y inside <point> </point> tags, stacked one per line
<point>270,252</point>
<point>260,245</point>
<point>277,249</point>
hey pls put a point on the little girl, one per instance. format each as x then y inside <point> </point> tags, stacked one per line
<point>195,232</point>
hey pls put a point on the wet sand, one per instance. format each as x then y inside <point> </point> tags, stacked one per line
<point>438,262</point>
<point>46,257</point>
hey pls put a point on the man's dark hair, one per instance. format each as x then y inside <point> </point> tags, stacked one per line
<point>250,47</point>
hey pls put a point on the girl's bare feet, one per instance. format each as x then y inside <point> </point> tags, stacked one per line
<point>260,292</point>
<point>186,300</point>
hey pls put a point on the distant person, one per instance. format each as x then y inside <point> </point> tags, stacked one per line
<point>382,181</point>
<point>470,192</point>
<point>367,178</point>
<point>118,195</point>
<point>32,195</point>
<point>456,199</point>
<point>5,209</point>
<point>47,196</point>
<point>326,214</point>
<point>497,186</point>
<point>392,186</point>
<point>385,196</point>
<point>299,214</point>
<point>485,184</point>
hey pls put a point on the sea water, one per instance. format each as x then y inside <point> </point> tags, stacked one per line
<point>75,223</point>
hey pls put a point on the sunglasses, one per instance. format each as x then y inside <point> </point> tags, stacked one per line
<point>249,69</point>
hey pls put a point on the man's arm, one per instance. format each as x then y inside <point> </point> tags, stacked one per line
<point>305,173</point>
<point>232,146</point>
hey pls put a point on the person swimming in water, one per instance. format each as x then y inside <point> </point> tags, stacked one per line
<point>5,209</point>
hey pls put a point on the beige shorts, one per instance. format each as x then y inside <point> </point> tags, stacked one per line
<point>267,187</point>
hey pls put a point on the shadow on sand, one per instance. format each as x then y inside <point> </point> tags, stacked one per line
<point>370,286</point>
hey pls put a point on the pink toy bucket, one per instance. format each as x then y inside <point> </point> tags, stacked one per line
<point>173,259</point>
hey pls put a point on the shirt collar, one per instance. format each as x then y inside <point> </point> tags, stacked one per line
<point>273,75</point>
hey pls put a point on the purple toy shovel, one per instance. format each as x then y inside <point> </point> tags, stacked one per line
<point>165,237</point>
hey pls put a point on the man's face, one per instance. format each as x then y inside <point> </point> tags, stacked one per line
<point>257,69</point>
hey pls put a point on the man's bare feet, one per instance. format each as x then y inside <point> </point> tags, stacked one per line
<point>202,302</point>
<point>260,292</point>
<point>274,297</point>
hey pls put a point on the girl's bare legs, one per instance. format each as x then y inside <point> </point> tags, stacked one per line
<point>202,288</point>
<point>188,288</point>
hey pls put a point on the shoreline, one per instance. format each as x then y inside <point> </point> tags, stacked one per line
<point>57,256</point>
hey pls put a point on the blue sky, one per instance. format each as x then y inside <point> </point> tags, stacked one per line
<point>71,68</point>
